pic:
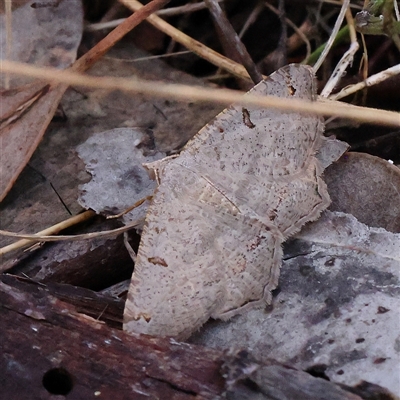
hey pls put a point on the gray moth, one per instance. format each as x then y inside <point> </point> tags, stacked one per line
<point>211,244</point>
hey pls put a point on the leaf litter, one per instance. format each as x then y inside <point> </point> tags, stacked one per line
<point>25,148</point>
<point>305,270</point>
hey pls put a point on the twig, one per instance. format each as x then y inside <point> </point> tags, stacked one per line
<point>297,30</point>
<point>282,50</point>
<point>370,81</point>
<point>251,19</point>
<point>202,51</point>
<point>167,12</point>
<point>231,41</point>
<point>94,54</point>
<point>195,93</point>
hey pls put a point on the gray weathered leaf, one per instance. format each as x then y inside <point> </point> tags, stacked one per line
<point>337,308</point>
<point>114,158</point>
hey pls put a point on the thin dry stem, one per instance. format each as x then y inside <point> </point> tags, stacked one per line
<point>185,9</point>
<point>396,10</point>
<point>94,54</point>
<point>333,35</point>
<point>52,230</point>
<point>38,237</point>
<point>191,44</point>
<point>370,81</point>
<point>167,12</point>
<point>231,42</point>
<point>136,205</point>
<point>194,93</point>
<point>339,3</point>
<point>251,19</point>
<point>346,59</point>
<point>148,58</point>
<point>28,240</point>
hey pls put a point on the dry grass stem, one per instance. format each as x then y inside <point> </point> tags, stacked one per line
<point>396,10</point>
<point>177,53</point>
<point>28,240</point>
<point>339,4</point>
<point>333,35</point>
<point>36,238</point>
<point>346,59</point>
<point>185,9</point>
<point>136,205</point>
<point>95,53</point>
<point>52,230</point>
<point>251,19</point>
<point>39,237</point>
<point>195,93</point>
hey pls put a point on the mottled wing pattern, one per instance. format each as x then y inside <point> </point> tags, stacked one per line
<point>196,246</point>
<point>264,160</point>
<point>211,246</point>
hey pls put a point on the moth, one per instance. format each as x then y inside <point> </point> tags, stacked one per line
<point>212,240</point>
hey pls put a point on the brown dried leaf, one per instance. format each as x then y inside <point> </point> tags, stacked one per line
<point>47,36</point>
<point>19,137</point>
<point>367,187</point>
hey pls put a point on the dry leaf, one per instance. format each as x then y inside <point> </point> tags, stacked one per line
<point>367,187</point>
<point>211,246</point>
<point>22,131</point>
<point>46,36</point>
<point>114,159</point>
